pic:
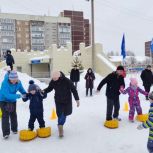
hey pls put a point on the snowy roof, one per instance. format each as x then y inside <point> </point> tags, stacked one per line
<point>120,58</point>
<point>40,58</point>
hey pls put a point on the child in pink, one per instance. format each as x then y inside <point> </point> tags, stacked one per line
<point>133,91</point>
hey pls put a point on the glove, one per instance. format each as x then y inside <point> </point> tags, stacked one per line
<point>78,103</point>
<point>140,127</point>
<point>24,96</point>
<point>18,96</point>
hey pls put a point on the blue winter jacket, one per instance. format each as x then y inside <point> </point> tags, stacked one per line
<point>8,91</point>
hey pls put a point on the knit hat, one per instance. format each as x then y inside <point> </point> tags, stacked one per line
<point>120,67</point>
<point>133,81</point>
<point>150,96</point>
<point>13,75</point>
<point>33,86</point>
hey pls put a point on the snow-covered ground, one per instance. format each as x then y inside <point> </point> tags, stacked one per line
<point>84,131</point>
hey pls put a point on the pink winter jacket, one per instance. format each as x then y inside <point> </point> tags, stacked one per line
<point>133,94</point>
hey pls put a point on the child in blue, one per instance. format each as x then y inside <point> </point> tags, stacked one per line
<point>36,105</point>
<point>149,124</point>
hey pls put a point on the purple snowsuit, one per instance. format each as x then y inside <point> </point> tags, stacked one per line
<point>133,99</point>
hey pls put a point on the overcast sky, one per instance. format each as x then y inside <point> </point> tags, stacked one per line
<point>112,18</point>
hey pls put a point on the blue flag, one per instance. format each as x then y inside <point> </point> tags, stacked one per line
<point>151,45</point>
<point>123,51</point>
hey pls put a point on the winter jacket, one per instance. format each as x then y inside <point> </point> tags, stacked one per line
<point>114,82</point>
<point>147,77</point>
<point>9,59</point>
<point>149,122</point>
<point>133,94</point>
<point>8,91</point>
<point>36,101</point>
<point>89,77</point>
<point>63,98</point>
<point>75,75</point>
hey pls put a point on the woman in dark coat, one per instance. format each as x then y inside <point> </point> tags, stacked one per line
<point>89,77</point>
<point>63,98</point>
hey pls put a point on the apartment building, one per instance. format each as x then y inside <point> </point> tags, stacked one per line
<point>80,28</point>
<point>23,37</point>
<point>7,34</point>
<point>31,32</point>
<point>147,48</point>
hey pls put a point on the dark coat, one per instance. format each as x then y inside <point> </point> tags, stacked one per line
<point>9,59</point>
<point>114,82</point>
<point>147,77</point>
<point>63,98</point>
<point>89,77</point>
<point>36,102</point>
<point>75,75</point>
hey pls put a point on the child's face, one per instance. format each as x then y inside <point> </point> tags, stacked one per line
<point>33,92</point>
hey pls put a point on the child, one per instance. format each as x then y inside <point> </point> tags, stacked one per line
<point>149,124</point>
<point>134,102</point>
<point>36,106</point>
<point>89,77</point>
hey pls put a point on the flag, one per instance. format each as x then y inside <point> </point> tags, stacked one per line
<point>123,51</point>
<point>151,45</point>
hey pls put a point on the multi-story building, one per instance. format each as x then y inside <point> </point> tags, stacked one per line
<point>23,41</point>
<point>147,49</point>
<point>80,30</point>
<point>31,32</point>
<point>7,34</point>
<point>64,33</point>
<point>37,32</point>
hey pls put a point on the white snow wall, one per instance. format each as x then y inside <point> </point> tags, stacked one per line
<point>102,64</point>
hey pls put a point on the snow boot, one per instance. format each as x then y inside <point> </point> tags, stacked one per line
<point>6,137</point>
<point>60,130</point>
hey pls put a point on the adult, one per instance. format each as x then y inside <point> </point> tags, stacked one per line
<point>114,81</point>
<point>63,97</point>
<point>75,75</point>
<point>9,59</point>
<point>8,97</point>
<point>89,77</point>
<point>147,79</point>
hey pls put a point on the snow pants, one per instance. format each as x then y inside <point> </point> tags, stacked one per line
<point>134,106</point>
<point>9,114</point>
<point>150,146</point>
<point>110,104</point>
<point>33,117</point>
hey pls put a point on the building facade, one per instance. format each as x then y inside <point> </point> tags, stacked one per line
<point>7,34</point>
<point>80,28</point>
<point>147,49</point>
<point>31,32</point>
<point>23,40</point>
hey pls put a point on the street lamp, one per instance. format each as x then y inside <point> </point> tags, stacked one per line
<point>93,38</point>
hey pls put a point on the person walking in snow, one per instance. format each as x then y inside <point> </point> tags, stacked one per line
<point>9,59</point>
<point>147,79</point>
<point>134,102</point>
<point>149,124</point>
<point>89,77</point>
<point>114,81</point>
<point>63,97</point>
<point>75,75</point>
<point>8,97</point>
<point>36,104</point>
